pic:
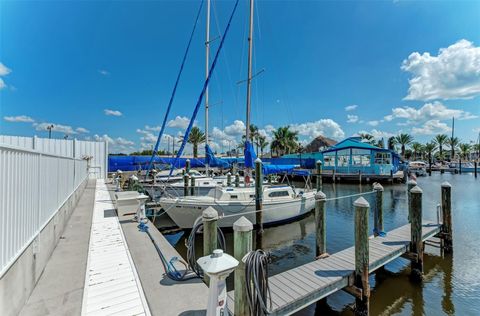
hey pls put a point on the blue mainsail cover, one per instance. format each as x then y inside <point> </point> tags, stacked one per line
<point>213,161</point>
<point>250,155</point>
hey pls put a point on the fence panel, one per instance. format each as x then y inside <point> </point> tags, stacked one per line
<point>33,186</point>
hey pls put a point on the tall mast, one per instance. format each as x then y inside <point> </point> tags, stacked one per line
<point>207,68</point>
<point>249,87</point>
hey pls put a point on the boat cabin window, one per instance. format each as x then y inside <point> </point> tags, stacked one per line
<point>278,194</point>
<point>234,196</point>
<point>382,158</point>
<point>206,183</point>
<point>252,196</point>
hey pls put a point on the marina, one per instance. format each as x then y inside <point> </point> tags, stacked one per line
<point>242,158</point>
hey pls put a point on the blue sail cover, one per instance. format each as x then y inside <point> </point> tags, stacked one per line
<point>250,155</point>
<point>213,161</point>
<point>274,169</point>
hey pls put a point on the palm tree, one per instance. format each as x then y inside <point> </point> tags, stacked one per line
<point>262,143</point>
<point>253,135</point>
<point>403,140</point>
<point>476,147</point>
<point>465,150</point>
<point>417,149</point>
<point>453,142</point>
<point>391,143</point>
<point>440,140</point>
<point>196,138</point>
<point>429,149</point>
<point>368,138</point>
<point>284,140</point>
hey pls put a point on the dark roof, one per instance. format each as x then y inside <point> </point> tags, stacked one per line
<point>319,143</point>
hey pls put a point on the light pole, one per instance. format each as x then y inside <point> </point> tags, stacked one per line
<point>50,127</point>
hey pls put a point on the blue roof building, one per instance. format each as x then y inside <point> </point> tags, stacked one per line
<point>352,156</point>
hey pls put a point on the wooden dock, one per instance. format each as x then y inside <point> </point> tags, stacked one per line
<point>299,287</point>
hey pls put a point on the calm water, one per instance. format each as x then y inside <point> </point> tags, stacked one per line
<point>452,283</point>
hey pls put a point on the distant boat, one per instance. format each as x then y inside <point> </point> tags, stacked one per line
<point>418,167</point>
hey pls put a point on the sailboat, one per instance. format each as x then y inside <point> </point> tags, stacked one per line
<point>281,203</point>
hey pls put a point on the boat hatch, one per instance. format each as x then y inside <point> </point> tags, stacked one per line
<point>278,194</point>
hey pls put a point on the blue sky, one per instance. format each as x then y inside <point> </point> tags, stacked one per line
<point>105,70</point>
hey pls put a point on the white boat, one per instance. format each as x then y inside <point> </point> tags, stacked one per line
<point>280,204</point>
<point>418,167</point>
<point>177,175</point>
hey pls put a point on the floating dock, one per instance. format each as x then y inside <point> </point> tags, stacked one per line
<point>299,287</point>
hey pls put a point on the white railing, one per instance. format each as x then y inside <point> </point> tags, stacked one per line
<point>33,187</point>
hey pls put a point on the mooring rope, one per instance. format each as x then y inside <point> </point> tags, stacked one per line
<point>256,280</point>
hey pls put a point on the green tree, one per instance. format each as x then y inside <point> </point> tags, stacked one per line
<point>285,141</point>
<point>453,142</point>
<point>391,143</point>
<point>440,140</point>
<point>262,143</point>
<point>403,140</point>
<point>195,138</point>
<point>417,149</point>
<point>465,150</point>
<point>368,138</point>
<point>429,149</point>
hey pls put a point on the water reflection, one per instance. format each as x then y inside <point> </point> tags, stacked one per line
<point>452,283</point>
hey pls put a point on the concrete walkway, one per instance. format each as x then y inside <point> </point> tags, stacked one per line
<point>59,290</point>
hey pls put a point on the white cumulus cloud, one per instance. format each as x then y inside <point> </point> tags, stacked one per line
<point>82,130</point>
<point>179,122</point>
<point>453,74</point>
<point>112,112</point>
<point>373,123</point>
<point>351,107</point>
<point>429,111</point>
<point>325,127</point>
<point>352,118</point>
<point>377,133</point>
<point>4,70</point>
<point>431,127</point>
<point>19,118</point>
<point>65,129</point>
<point>235,129</point>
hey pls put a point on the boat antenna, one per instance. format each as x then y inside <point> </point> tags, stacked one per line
<point>248,170</point>
<point>207,68</point>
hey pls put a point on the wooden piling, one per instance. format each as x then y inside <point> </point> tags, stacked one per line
<point>209,219</point>
<point>229,179</point>
<point>320,225</point>
<point>447,217</point>
<point>187,166</point>
<point>416,244</point>
<point>242,244</point>
<point>237,180</point>
<point>378,215</point>
<point>475,168</point>
<point>319,181</point>
<point>258,203</point>
<point>460,166</point>
<point>192,185</point>
<point>410,185</point>
<point>186,177</point>
<point>361,257</point>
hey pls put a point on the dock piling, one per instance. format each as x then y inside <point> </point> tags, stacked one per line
<point>242,244</point>
<point>237,180</point>
<point>185,184</point>
<point>447,217</point>
<point>259,202</point>
<point>410,185</point>
<point>209,219</point>
<point>319,181</point>
<point>229,179</point>
<point>378,215</point>
<point>361,257</point>
<point>187,166</point>
<point>416,244</point>
<point>192,185</point>
<point>320,225</point>
<point>475,168</point>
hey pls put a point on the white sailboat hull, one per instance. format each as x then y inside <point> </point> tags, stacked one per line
<point>186,213</point>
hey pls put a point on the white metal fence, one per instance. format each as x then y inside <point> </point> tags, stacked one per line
<point>33,186</point>
<point>98,151</point>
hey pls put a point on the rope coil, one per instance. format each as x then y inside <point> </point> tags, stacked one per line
<point>256,280</point>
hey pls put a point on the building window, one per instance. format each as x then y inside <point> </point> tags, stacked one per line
<point>329,159</point>
<point>382,158</point>
<point>361,157</point>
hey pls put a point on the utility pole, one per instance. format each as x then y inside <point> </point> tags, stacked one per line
<point>50,127</point>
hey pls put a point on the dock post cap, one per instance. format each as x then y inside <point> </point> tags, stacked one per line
<point>319,162</point>
<point>209,214</point>
<point>258,160</point>
<point>377,186</point>
<point>319,196</point>
<point>446,184</point>
<point>188,159</point>
<point>229,174</point>
<point>361,202</point>
<point>242,225</point>
<point>411,181</point>
<point>416,190</point>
